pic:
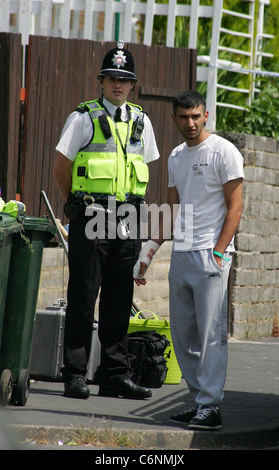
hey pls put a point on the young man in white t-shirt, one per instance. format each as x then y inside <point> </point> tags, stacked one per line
<point>205,183</point>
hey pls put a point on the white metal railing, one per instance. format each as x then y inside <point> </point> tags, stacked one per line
<point>216,64</point>
<point>110,20</point>
<point>61,18</point>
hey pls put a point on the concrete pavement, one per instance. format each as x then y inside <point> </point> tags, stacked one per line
<point>250,412</point>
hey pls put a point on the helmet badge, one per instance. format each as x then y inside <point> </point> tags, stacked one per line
<point>119,59</point>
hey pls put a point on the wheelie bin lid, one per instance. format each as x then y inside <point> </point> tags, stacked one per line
<point>41,224</point>
<point>8,225</point>
<point>38,223</point>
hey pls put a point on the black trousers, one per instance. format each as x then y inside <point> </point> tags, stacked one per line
<point>104,265</point>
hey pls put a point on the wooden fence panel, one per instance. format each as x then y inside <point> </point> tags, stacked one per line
<point>10,115</point>
<point>62,73</point>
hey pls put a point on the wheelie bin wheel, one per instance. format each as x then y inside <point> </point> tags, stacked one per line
<point>22,388</point>
<point>6,387</point>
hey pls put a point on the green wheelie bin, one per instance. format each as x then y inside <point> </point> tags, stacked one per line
<point>21,300</point>
<point>9,226</point>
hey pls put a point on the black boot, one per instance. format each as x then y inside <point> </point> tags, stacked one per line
<point>124,387</point>
<point>76,388</point>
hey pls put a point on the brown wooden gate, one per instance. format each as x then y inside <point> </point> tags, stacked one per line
<point>10,113</point>
<point>60,73</point>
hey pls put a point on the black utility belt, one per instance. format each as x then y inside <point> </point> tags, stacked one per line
<point>75,206</point>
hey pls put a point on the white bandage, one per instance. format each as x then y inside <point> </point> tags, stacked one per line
<point>145,256</point>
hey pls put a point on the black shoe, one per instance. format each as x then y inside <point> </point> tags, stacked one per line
<point>207,418</point>
<point>76,388</point>
<point>124,387</point>
<point>184,417</point>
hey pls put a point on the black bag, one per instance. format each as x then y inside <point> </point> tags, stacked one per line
<point>146,353</point>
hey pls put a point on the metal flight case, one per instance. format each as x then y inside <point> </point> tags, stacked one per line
<point>47,345</point>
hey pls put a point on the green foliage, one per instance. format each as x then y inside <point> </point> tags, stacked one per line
<point>261,117</point>
<point>272,27</point>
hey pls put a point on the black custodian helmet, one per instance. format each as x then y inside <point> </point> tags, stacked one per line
<point>118,62</point>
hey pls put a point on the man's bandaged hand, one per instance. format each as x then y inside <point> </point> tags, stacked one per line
<point>145,256</point>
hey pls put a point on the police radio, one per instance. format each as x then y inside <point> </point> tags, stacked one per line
<point>137,129</point>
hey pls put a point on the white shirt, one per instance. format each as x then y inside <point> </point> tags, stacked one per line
<point>78,132</point>
<point>199,173</point>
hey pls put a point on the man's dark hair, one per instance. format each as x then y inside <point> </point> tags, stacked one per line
<point>188,99</point>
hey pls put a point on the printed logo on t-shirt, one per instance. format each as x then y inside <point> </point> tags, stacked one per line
<point>198,169</point>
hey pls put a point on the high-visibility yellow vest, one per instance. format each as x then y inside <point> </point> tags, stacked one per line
<point>112,163</point>
<point>12,207</point>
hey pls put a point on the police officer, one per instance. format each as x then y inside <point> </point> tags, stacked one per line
<point>102,161</point>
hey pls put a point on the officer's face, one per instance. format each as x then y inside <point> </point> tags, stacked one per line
<point>116,90</point>
<point>190,122</point>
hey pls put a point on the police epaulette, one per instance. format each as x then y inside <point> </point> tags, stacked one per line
<point>82,108</point>
<point>135,105</point>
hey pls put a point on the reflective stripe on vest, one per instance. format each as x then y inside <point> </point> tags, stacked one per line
<point>102,167</point>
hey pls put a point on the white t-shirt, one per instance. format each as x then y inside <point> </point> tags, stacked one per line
<point>199,173</point>
<point>78,132</point>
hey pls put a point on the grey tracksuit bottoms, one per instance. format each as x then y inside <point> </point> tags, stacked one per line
<point>198,319</point>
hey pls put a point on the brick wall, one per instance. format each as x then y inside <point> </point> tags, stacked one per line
<point>154,296</point>
<point>54,277</point>
<point>255,274</point>
<point>255,292</point>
